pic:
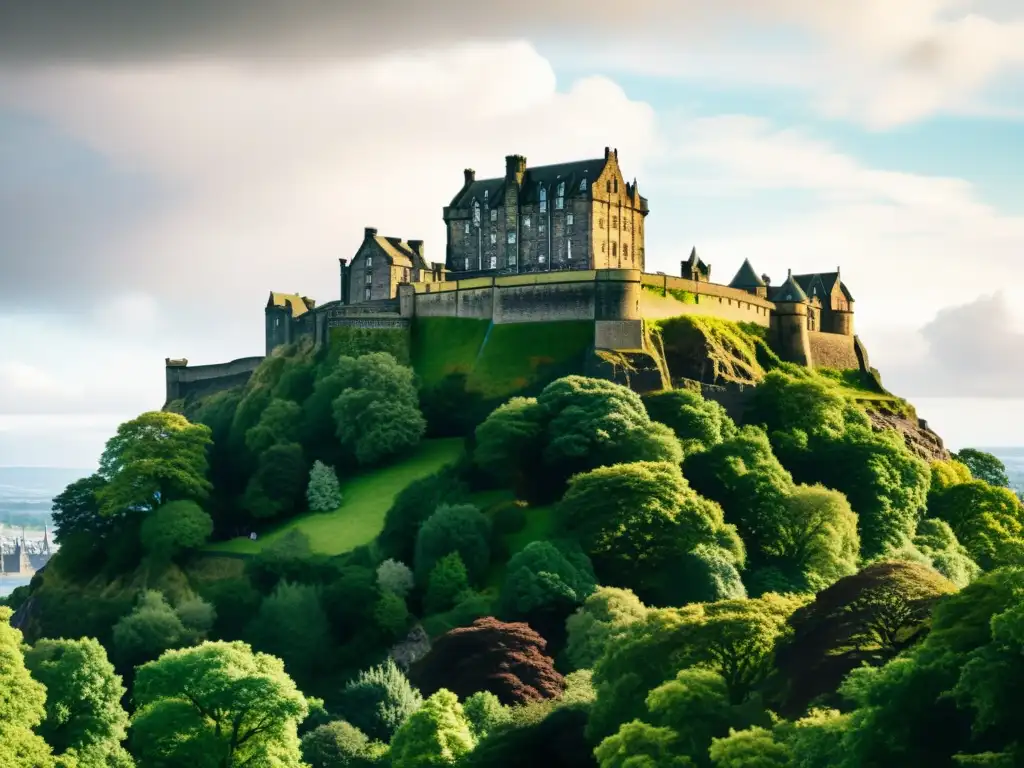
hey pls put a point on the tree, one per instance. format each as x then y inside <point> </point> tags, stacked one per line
<point>377,412</point>
<point>988,520</point>
<point>391,615</point>
<point>448,581</point>
<point>556,739</point>
<point>83,696</point>
<point>323,492</point>
<point>633,519</point>
<point>706,574</point>
<point>340,745</point>
<point>736,638</point>
<point>280,422</point>
<point>868,617</point>
<point>639,745</point>
<point>601,620</point>
<point>485,712</point>
<point>436,734</point>
<point>506,659</point>
<point>395,577</point>
<point>292,625</point>
<point>22,704</point>
<point>379,700</point>
<point>936,541</point>
<point>175,527</point>
<point>798,400</point>
<point>216,706</point>
<point>697,423</point>
<point>153,459</point>
<point>150,629</point>
<point>984,466</point>
<point>412,506</point>
<point>507,439</point>
<point>463,529</point>
<point>752,748</point>
<point>76,510</point>
<point>278,486</point>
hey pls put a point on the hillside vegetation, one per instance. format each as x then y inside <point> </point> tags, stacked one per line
<point>477,560</point>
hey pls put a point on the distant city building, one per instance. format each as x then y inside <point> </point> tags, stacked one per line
<point>21,557</point>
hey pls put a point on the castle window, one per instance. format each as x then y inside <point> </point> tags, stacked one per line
<point>467,227</point>
<point>569,219</point>
<point>511,238</point>
<point>542,258</point>
<point>561,189</point>
<point>615,185</point>
<point>494,262</point>
<point>541,227</point>
<point>608,186</point>
<point>369,278</point>
<point>560,200</point>
<point>543,197</point>
<point>467,264</point>
<point>625,251</point>
<point>583,185</point>
<point>602,247</point>
<point>369,260</point>
<point>526,221</point>
<point>494,238</point>
<point>568,246</point>
<point>476,213</point>
<point>366,294</point>
<point>494,214</point>
<point>615,222</point>
<point>613,249</point>
<point>600,223</point>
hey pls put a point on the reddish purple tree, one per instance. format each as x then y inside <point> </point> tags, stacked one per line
<point>506,659</point>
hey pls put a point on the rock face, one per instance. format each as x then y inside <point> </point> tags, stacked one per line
<point>920,439</point>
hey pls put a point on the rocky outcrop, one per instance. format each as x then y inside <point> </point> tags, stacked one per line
<point>920,439</point>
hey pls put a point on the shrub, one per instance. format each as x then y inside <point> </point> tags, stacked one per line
<point>395,577</point>
<point>323,493</point>
<point>379,700</point>
<point>447,582</point>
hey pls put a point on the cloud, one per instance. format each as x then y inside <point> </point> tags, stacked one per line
<point>972,350</point>
<point>874,61</point>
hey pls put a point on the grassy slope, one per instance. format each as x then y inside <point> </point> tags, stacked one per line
<point>367,498</point>
<point>503,361</point>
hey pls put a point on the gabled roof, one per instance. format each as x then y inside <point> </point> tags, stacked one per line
<point>827,281</point>
<point>399,252</point>
<point>546,176</point>
<point>789,291</point>
<point>746,277</point>
<point>298,303</point>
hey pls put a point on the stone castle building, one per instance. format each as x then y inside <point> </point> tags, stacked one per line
<point>542,244</point>
<point>20,558</point>
<point>548,218</point>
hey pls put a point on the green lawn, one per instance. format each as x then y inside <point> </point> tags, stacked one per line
<point>367,498</point>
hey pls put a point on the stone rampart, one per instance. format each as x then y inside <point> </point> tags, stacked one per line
<point>200,380</point>
<point>666,296</point>
<point>832,350</point>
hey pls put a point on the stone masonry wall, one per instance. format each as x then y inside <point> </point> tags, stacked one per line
<point>707,299</point>
<point>831,350</point>
<point>185,381</point>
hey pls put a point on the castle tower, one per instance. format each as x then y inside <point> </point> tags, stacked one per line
<point>842,314</point>
<point>789,323</point>
<point>747,280</point>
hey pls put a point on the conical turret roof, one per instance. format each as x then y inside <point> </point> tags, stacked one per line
<point>790,290</point>
<point>746,277</point>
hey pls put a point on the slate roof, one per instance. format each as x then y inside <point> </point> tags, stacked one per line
<point>789,291</point>
<point>827,281</point>
<point>535,177</point>
<point>400,253</point>
<point>297,303</point>
<point>696,260</point>
<point>746,277</point>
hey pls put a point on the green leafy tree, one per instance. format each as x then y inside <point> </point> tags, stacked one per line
<point>554,739</point>
<point>377,413</point>
<point>76,510</point>
<point>83,697</point>
<point>867,617</point>
<point>280,422</point>
<point>463,529</point>
<point>987,519</point>
<point>936,541</point>
<point>984,466</point>
<point>752,748</point>
<point>22,704</point>
<point>340,745</point>
<point>798,400</point>
<point>634,519</point>
<point>395,577</point>
<point>485,712</point>
<point>379,700</point>
<point>216,706</point>
<point>291,624</point>
<point>150,629</point>
<point>391,615</point>
<point>706,574</point>
<point>438,733</point>
<point>601,620</point>
<point>153,459</point>
<point>277,488</point>
<point>698,423</point>
<point>323,494</point>
<point>508,438</point>
<point>411,508</point>
<point>448,581</point>
<point>639,745</point>
<point>176,527</point>
<point>736,638</point>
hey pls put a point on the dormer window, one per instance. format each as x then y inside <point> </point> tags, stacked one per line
<point>542,196</point>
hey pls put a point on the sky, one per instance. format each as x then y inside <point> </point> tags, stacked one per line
<point>164,166</point>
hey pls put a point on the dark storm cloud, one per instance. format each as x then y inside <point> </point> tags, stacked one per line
<point>132,30</point>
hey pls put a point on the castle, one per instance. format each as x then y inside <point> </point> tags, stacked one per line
<point>546,244</point>
<point>19,558</point>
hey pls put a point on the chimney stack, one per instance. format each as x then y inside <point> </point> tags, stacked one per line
<point>470,176</point>
<point>515,168</point>
<point>607,151</point>
<point>370,232</point>
<point>416,246</point>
